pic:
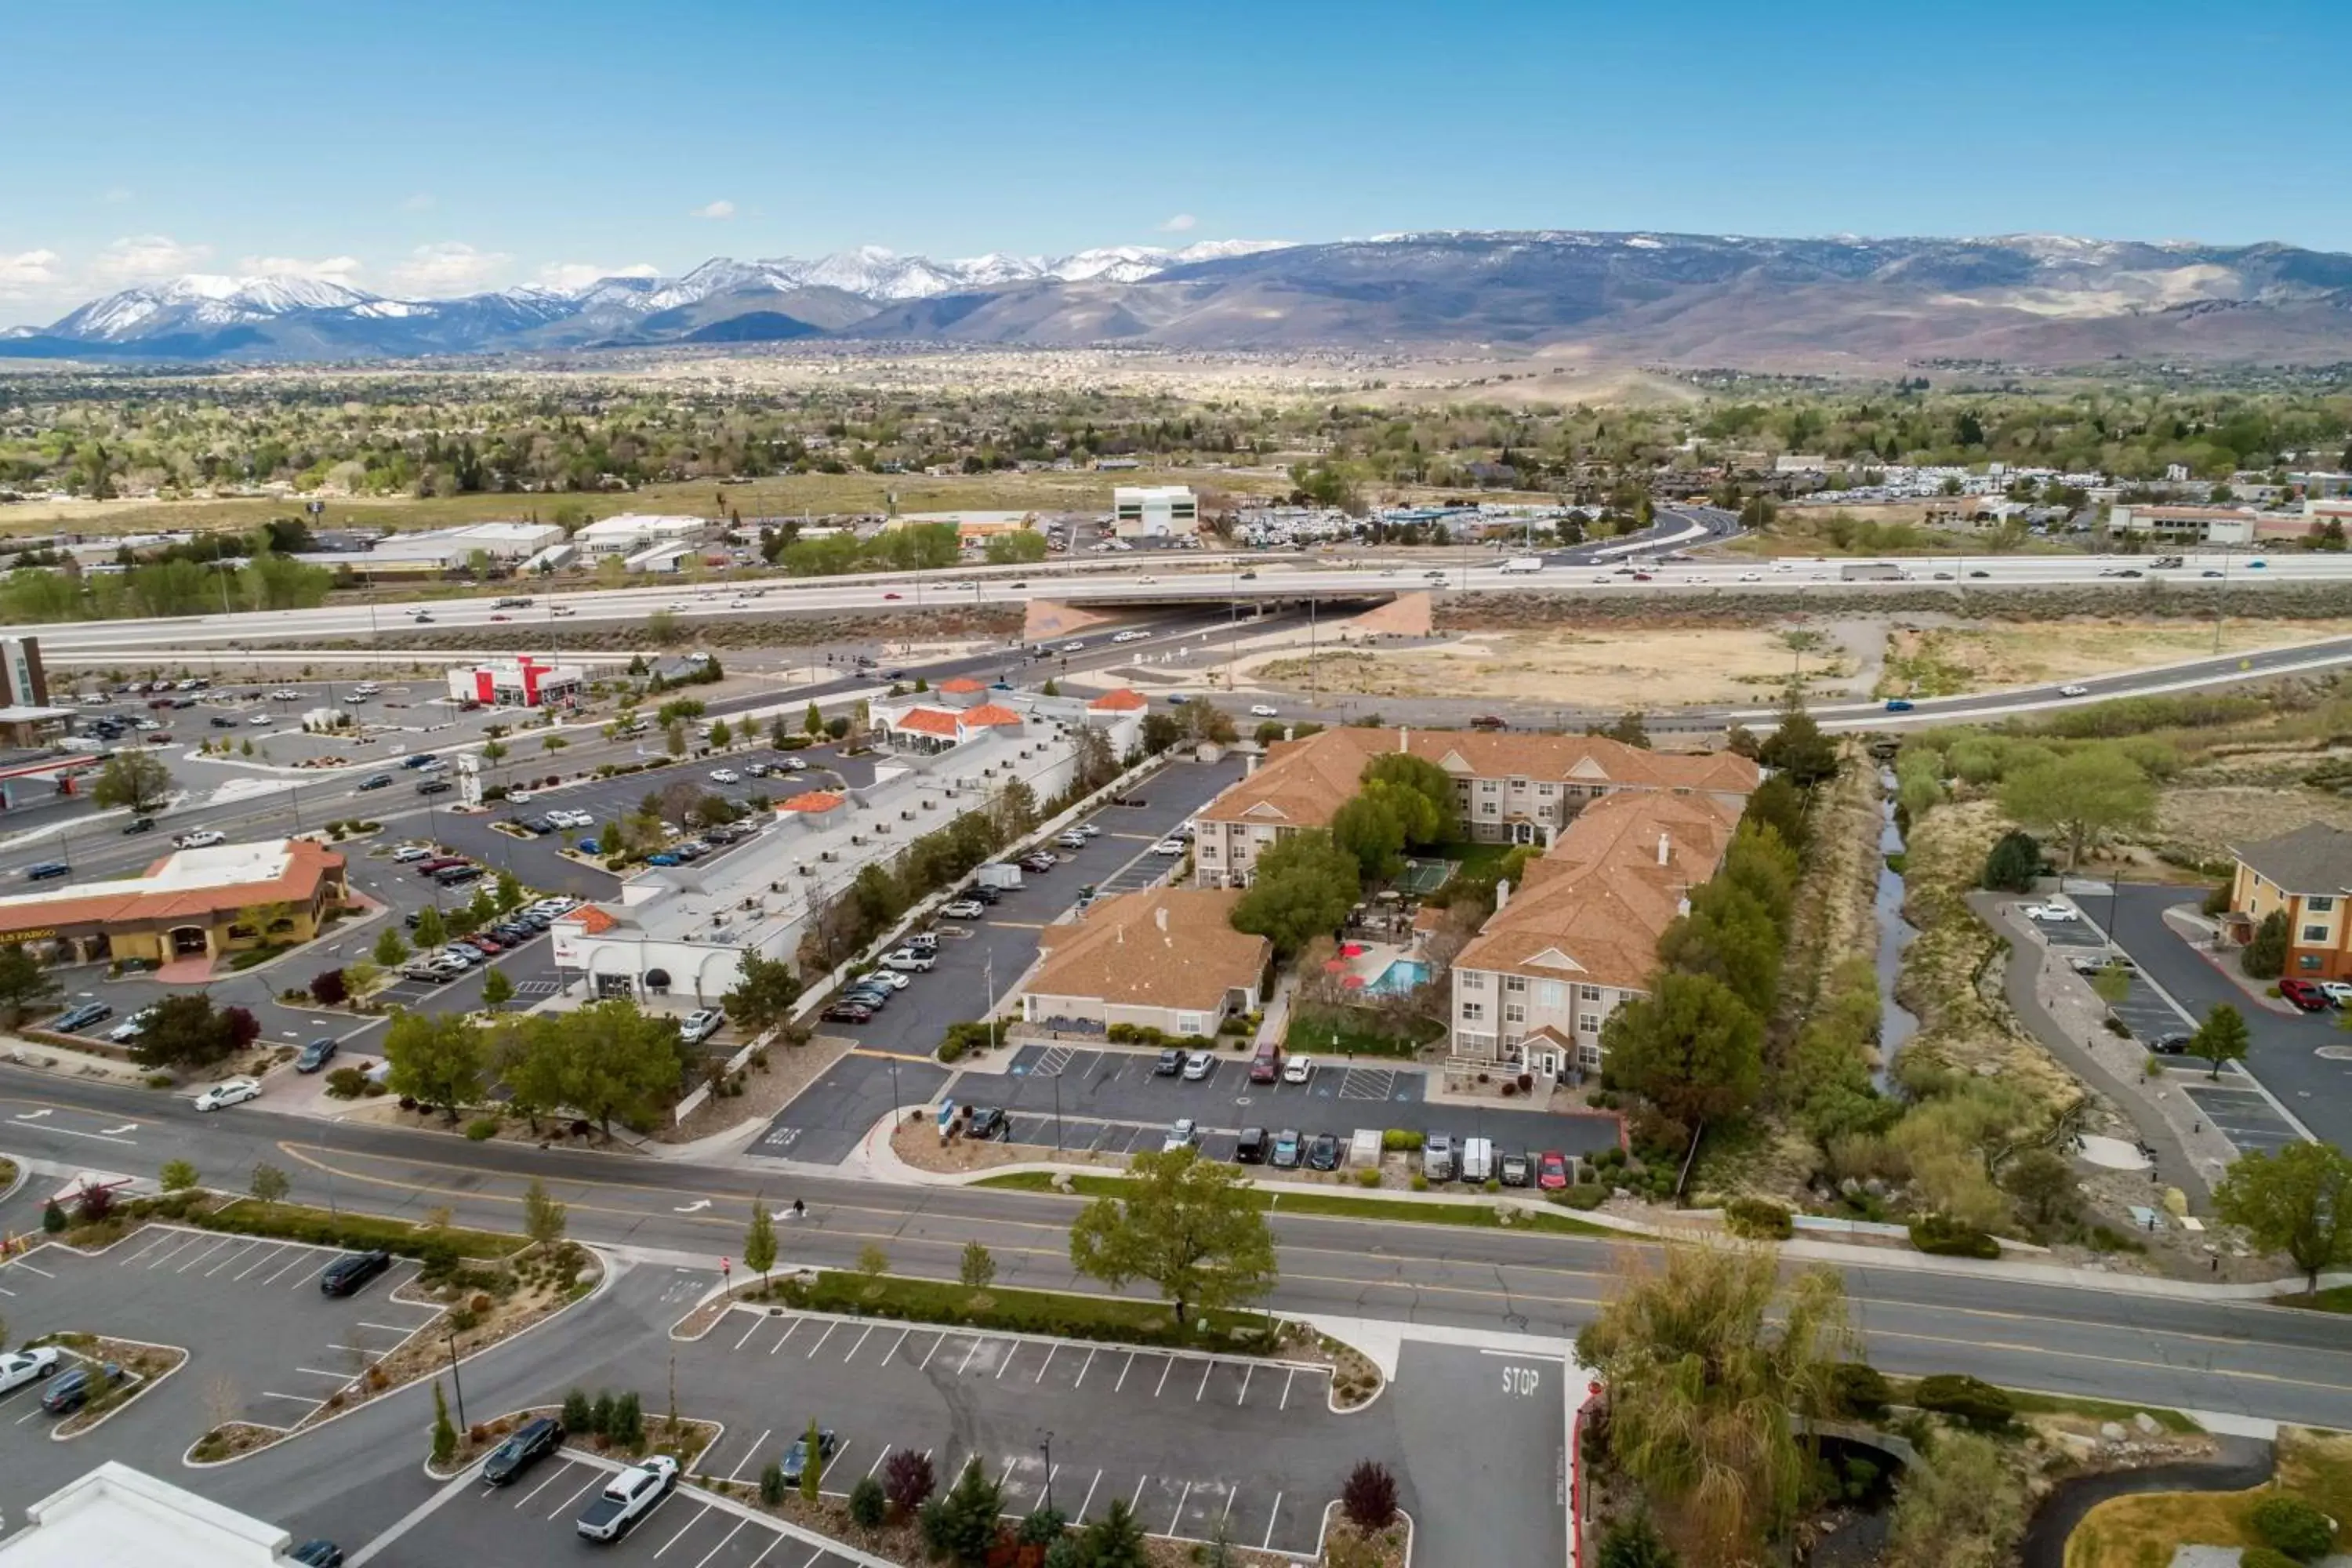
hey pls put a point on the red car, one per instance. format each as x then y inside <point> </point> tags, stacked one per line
<point>892,596</point>
<point>2303,994</point>
<point>483,945</point>
<point>1551,1171</point>
<point>502,617</point>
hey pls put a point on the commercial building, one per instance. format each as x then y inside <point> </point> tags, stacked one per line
<point>193,903</point>
<point>116,1515</point>
<point>1507,788</point>
<point>1166,959</point>
<point>2305,875</point>
<point>632,532</point>
<point>1580,936</point>
<point>974,529</point>
<point>26,718</point>
<point>523,682</point>
<point>436,550</point>
<point>1154,512</point>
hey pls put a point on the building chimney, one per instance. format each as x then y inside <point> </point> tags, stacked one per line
<point>1502,894</point>
<point>1160,918</point>
<point>1249,763</point>
<point>1404,739</point>
<point>1664,856</point>
<point>1290,731</point>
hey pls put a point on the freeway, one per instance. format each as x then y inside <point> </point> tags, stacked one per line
<point>2106,1341</point>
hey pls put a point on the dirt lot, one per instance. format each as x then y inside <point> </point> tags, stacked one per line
<point>1636,667</point>
<point>1944,660</point>
<point>2203,823</point>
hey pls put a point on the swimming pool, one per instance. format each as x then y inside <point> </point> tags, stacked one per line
<point>1400,977</point>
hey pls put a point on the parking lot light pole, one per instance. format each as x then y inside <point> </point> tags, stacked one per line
<point>458,1381</point>
<point>1048,1445</point>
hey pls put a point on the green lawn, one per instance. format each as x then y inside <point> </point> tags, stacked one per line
<point>2339,1300</point>
<point>1065,1314</point>
<point>1340,1206</point>
<point>1343,1031</point>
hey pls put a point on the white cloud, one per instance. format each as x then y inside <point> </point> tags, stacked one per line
<point>1182,223</point>
<point>570,274</point>
<point>451,266</point>
<point>334,269</point>
<point>25,273</point>
<point>421,202</point>
<point>719,209</point>
<point>143,258</point>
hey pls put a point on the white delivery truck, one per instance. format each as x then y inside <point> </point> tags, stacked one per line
<point>1477,1159</point>
<point>1001,875</point>
<point>1523,564</point>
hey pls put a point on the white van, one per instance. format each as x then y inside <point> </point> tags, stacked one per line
<point>1477,1159</point>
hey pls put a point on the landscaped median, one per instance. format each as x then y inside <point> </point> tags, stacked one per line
<point>2313,1486</point>
<point>1286,1200</point>
<point>141,1366</point>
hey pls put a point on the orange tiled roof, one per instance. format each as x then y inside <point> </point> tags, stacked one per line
<point>593,920</point>
<point>928,721</point>
<point>1163,947</point>
<point>1124,700</point>
<point>988,715</point>
<point>307,864</point>
<point>962,685</point>
<point>813,799</point>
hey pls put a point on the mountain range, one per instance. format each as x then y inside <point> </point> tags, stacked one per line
<point>1691,300</point>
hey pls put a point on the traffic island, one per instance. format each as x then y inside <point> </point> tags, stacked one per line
<point>140,1366</point>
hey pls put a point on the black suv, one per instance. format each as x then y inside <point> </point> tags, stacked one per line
<point>530,1442</point>
<point>1250,1147</point>
<point>987,1122</point>
<point>348,1273</point>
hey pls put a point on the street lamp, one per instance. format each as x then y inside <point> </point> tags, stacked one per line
<point>457,1379</point>
<point>1047,1443</point>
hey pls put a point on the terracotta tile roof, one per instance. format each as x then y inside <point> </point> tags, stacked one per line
<point>962,685</point>
<point>1164,947</point>
<point>989,715</point>
<point>928,721</point>
<point>813,799</point>
<point>1592,907</point>
<point>1124,700</point>
<point>186,895</point>
<point>592,921</point>
<point>1303,783</point>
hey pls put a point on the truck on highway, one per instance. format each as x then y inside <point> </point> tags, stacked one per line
<point>1523,564</point>
<point>1871,572</point>
<point>628,1498</point>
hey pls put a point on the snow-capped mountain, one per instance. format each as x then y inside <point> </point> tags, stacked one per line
<point>203,300</point>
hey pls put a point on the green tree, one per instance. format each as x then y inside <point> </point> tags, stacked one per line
<point>1303,887</point>
<point>509,896</point>
<point>760,1242</point>
<point>1798,748</point>
<point>390,947</point>
<point>962,1524</point>
<point>444,1431</point>
<point>721,737</point>
<point>1962,1505</point>
<point>2221,1037</point>
<point>2081,795</point>
<point>1429,818</point>
<point>2297,1200</point>
<point>1710,1365</point>
<point>431,930</point>
<point>543,1219</point>
<point>813,722</point>
<point>1780,805</point>
<point>869,1508</point>
<point>812,1463</point>
<point>1692,1048</point>
<point>177,1175</point>
<point>497,989</point>
<point>269,1185</point>
<point>134,780</point>
<point>186,1030</point>
<point>1187,1225</point>
<point>615,1062</point>
<point>25,984</point>
<point>765,992</point>
<point>1730,935</point>
<point>436,1060</point>
<point>1634,1544</point>
<point>1116,1540</point>
<point>2014,862</point>
<point>2265,957</point>
<point>1630,730</point>
<point>2042,1182</point>
<point>1367,828</point>
<point>977,1270</point>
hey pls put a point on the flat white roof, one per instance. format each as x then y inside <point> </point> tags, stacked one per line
<point>117,1514</point>
<point>185,870</point>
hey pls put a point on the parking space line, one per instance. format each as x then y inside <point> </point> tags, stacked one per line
<point>722,1544</point>
<point>543,1485</point>
<point>892,1354</point>
<point>822,1338</point>
<point>789,1331</point>
<point>403,1330</point>
<point>1123,1372</point>
<point>1082,1370</point>
<point>27,1268</point>
<point>838,1451</point>
<point>166,1258</point>
<point>294,1262</point>
<point>1080,1517</point>
<point>245,1251</point>
<point>1137,1498</point>
<point>813,1557</point>
<point>274,1251</point>
<point>323,1372</point>
<point>968,1354</point>
<point>1201,1392</point>
<point>757,1325</point>
<point>752,1453</point>
<point>879,1455</point>
<point>1163,1377</point>
<point>311,1276</point>
<point>682,1529</point>
<point>1286,1380</point>
<point>1245,1377</point>
<point>1010,1356</point>
<point>161,1236</point>
<point>1271,1520</point>
<point>1049,1361</point>
<point>1178,1517</point>
<point>200,1256</point>
<point>564,1506</point>
<point>934,1351</point>
<point>859,1345</point>
<point>297,1398</point>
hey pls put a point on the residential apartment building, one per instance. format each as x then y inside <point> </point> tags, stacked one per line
<point>2306,874</point>
<point>1580,937</point>
<point>1507,788</point>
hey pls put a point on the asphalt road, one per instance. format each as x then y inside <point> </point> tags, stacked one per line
<point>2223,1356</point>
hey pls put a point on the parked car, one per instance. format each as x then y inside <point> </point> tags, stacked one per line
<point>796,1457</point>
<point>455,876</point>
<point>628,1498</point>
<point>1250,1148</point>
<point>1071,839</point>
<point>70,1390</point>
<point>1551,1171</point>
<point>318,1553</point>
<point>700,1024</point>
<point>74,1020</point>
<point>346,1274</point>
<point>2337,991</point>
<point>525,1447</point>
<point>1182,1134</point>
<point>725,775</point>
<point>228,1092</point>
<point>20,1367</point>
<point>1169,847</point>
<point>964,909</point>
<point>2304,993</point>
<point>987,1123</point>
<point>1298,1068</point>
<point>1199,1065</point>
<point>1323,1152</point>
<point>907,961</point>
<point>1286,1150</point>
<point>315,1055</point>
<point>1437,1157</point>
<point>1040,861</point>
<point>1170,1063</point>
<point>2054,913</point>
<point>1516,1170</point>
<point>2172,1043</point>
<point>848,1012</point>
<point>407,853</point>
<point>202,838</point>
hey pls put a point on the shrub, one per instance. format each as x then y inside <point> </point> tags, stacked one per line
<point>1966,1399</point>
<point>1586,1195</point>
<point>1860,1390</point>
<point>1369,1176</point>
<point>600,1415</point>
<point>2293,1526</point>
<point>772,1484</point>
<point>346,1083</point>
<point>2264,1557</point>
<point>1949,1239</point>
<point>867,1505</point>
<point>1041,1528</point>
<point>1635,1543</point>
<point>908,1479</point>
<point>1400,1140</point>
<point>53,1218</point>
<point>482,1128</point>
<point>1757,1219</point>
<point>1369,1496</point>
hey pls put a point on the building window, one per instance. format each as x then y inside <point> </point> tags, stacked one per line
<point>1544,791</point>
<point>2308,961</point>
<point>2319,904</point>
<point>1474,980</point>
<point>1588,1023</point>
<point>1515,983</point>
<point>1589,1058</point>
<point>1550,994</point>
<point>1472,1012</point>
<point>1486,786</point>
<point>1514,1013</point>
<point>1187,1024</point>
<point>2314,934</point>
<point>1588,993</point>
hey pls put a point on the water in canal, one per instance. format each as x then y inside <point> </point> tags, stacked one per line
<point>1896,1022</point>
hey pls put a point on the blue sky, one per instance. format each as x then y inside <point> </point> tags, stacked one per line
<point>433,147</point>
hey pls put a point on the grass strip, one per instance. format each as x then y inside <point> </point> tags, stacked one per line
<point>358,1232</point>
<point>2030,1401</point>
<point>1337,1205</point>
<point>1059,1313</point>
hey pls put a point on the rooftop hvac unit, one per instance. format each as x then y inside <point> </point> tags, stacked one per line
<point>856,841</point>
<point>830,855</point>
<point>928,805</point>
<point>881,828</point>
<point>905,816</point>
<point>807,870</point>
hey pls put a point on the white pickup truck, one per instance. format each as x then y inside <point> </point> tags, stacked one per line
<point>628,1498</point>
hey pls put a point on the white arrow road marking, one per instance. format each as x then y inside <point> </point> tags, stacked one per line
<point>32,1115</point>
<point>126,1127</point>
<point>697,1206</point>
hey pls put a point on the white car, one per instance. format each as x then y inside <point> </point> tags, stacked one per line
<point>1262,711</point>
<point>1752,576</point>
<point>20,1367</point>
<point>261,719</point>
<point>2337,991</point>
<point>1091,830</point>
<point>964,909</point>
<point>562,610</point>
<point>147,724</point>
<point>1169,847</point>
<point>1183,1135</point>
<point>228,1092</point>
<point>700,1024</point>
<point>202,838</point>
<point>286,694</point>
<point>131,1028</point>
<point>408,852</point>
<point>2073,691</point>
<point>1073,647</point>
<point>725,775</point>
<point>518,795</point>
<point>1199,1065</point>
<point>907,961</point>
<point>792,764</point>
<point>2052,913</point>
<point>1298,1070</point>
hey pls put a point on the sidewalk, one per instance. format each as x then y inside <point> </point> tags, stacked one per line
<point>2064,1015</point>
